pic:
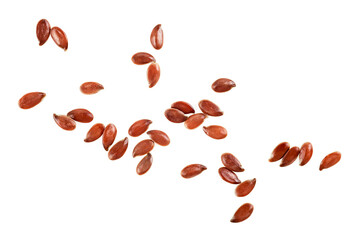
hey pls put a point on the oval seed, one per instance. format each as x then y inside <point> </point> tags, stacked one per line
<point>91,87</point>
<point>43,30</point>
<point>118,149</point>
<point>192,170</point>
<point>231,162</point>
<point>109,135</point>
<point>243,213</point>
<point>305,153</point>
<point>145,164</point>
<point>153,74</point>
<point>223,85</point>
<point>175,115</point>
<point>159,137</point>
<point>194,120</point>
<point>59,37</point>
<point>183,106</point>
<point>95,132</point>
<point>210,108</point>
<point>244,188</point>
<point>142,58</point>
<point>279,151</point>
<point>228,176</point>
<point>330,160</point>
<point>81,115</point>
<point>290,156</point>
<point>156,37</point>
<point>64,122</point>
<point>139,127</point>
<point>31,99</point>
<point>143,147</point>
<point>215,131</point>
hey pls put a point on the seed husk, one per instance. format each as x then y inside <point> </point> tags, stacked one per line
<point>231,162</point>
<point>118,149</point>
<point>243,213</point>
<point>228,176</point>
<point>64,122</point>
<point>305,153</point>
<point>290,156</point>
<point>223,85</point>
<point>210,108</point>
<point>330,160</point>
<point>183,106</point>
<point>159,137</point>
<point>142,58</point>
<point>139,127</point>
<point>43,30</point>
<point>145,164</point>
<point>244,188</point>
<point>81,115</point>
<point>91,87</point>
<point>194,120</point>
<point>59,37</point>
<point>215,131</point>
<point>156,37</point>
<point>153,74</point>
<point>95,132</point>
<point>109,135</point>
<point>175,115</point>
<point>143,147</point>
<point>192,170</point>
<point>31,99</point>
<point>279,151</point>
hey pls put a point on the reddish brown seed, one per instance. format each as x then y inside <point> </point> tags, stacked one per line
<point>243,213</point>
<point>59,37</point>
<point>192,170</point>
<point>305,153</point>
<point>279,151</point>
<point>244,188</point>
<point>143,147</point>
<point>330,160</point>
<point>156,37</point>
<point>175,115</point>
<point>290,156</point>
<point>95,132</point>
<point>139,127</point>
<point>91,87</point>
<point>81,115</point>
<point>145,164</point>
<point>228,175</point>
<point>109,135</point>
<point>183,106</point>
<point>159,137</point>
<point>223,85</point>
<point>30,100</point>
<point>43,30</point>
<point>118,149</point>
<point>231,162</point>
<point>215,131</point>
<point>210,108</point>
<point>194,120</point>
<point>64,122</point>
<point>153,74</point>
<point>142,58</point>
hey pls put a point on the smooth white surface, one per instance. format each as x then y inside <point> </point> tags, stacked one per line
<point>295,65</point>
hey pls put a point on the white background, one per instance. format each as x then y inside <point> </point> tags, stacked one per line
<point>295,66</point>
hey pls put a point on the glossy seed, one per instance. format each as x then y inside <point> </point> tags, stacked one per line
<point>143,147</point>
<point>231,162</point>
<point>145,164</point>
<point>30,100</point>
<point>159,137</point>
<point>210,108</point>
<point>95,132</point>
<point>64,122</point>
<point>175,115</point>
<point>330,160</point>
<point>59,37</point>
<point>153,74</point>
<point>290,156</point>
<point>139,127</point>
<point>215,131</point>
<point>109,135</point>
<point>142,58</point>
<point>223,85</point>
<point>279,151</point>
<point>305,153</point>
<point>192,170</point>
<point>81,115</point>
<point>244,188</point>
<point>194,120</point>
<point>228,176</point>
<point>156,37</point>
<point>91,87</point>
<point>43,30</point>
<point>118,149</point>
<point>243,213</point>
<point>183,106</point>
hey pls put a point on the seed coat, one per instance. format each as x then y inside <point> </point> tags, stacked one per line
<point>64,122</point>
<point>81,115</point>
<point>118,149</point>
<point>109,135</point>
<point>245,188</point>
<point>192,170</point>
<point>143,147</point>
<point>330,160</point>
<point>43,30</point>
<point>139,127</point>
<point>231,162</point>
<point>175,115</point>
<point>243,213</point>
<point>59,37</point>
<point>194,120</point>
<point>223,85</point>
<point>142,58</point>
<point>145,164</point>
<point>279,151</point>
<point>305,153</point>
<point>183,106</point>
<point>290,156</point>
<point>228,176</point>
<point>95,132</point>
<point>31,99</point>
<point>153,74</point>
<point>91,87</point>
<point>210,108</point>
<point>156,37</point>
<point>215,131</point>
<point>159,137</point>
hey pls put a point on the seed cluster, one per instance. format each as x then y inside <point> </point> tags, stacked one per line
<point>44,30</point>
